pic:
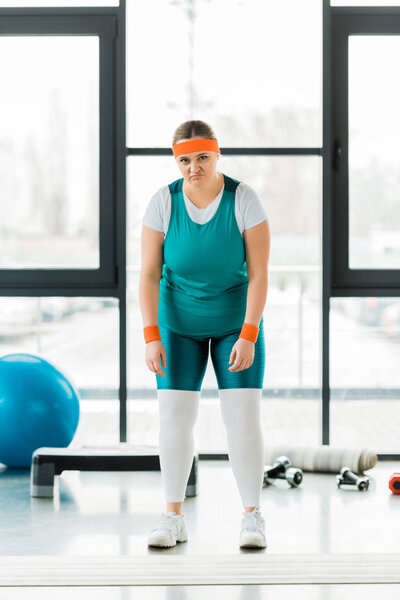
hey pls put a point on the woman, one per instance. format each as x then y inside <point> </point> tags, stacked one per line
<point>203,282</point>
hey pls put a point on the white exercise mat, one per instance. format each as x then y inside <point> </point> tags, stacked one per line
<point>323,459</point>
<point>227,569</point>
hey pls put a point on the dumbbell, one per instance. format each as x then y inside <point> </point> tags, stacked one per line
<point>347,477</point>
<point>281,470</point>
<point>394,483</point>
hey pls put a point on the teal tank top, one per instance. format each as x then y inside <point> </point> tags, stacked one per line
<point>203,287</point>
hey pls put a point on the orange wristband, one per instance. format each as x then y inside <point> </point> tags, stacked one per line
<point>249,332</point>
<point>151,333</point>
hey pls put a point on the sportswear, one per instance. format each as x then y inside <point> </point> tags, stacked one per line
<point>248,209</point>
<point>187,359</point>
<point>170,529</point>
<point>252,534</point>
<point>195,145</point>
<point>203,288</point>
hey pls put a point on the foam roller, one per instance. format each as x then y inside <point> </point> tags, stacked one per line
<point>323,459</point>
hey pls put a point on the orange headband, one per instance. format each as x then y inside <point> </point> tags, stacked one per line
<point>193,145</point>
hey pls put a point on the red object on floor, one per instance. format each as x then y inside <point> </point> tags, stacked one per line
<point>394,483</point>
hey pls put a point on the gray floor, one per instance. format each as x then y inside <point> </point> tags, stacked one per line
<point>111,513</point>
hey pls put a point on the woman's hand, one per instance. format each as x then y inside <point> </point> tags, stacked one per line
<point>243,350</point>
<point>154,350</point>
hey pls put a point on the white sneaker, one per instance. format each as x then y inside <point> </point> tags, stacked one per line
<point>170,529</point>
<point>252,534</point>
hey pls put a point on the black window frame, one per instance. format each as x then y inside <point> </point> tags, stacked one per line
<point>346,21</point>
<point>75,22</point>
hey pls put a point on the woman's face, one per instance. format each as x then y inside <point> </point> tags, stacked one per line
<point>198,168</point>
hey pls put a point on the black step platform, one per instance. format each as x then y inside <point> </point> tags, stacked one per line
<point>48,462</point>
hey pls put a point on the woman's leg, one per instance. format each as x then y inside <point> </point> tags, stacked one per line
<point>179,397</point>
<point>240,397</point>
<point>241,415</point>
<point>178,411</point>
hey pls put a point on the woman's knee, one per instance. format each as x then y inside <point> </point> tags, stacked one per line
<point>178,408</point>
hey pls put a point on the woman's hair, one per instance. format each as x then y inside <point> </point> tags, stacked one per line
<point>190,129</point>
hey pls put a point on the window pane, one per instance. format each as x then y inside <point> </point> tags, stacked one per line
<point>34,3</point>
<point>49,152</point>
<point>364,373</point>
<point>80,337</point>
<point>251,69</point>
<point>290,191</point>
<point>365,2</point>
<point>374,162</point>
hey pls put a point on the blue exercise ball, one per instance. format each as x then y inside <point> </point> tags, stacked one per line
<point>38,407</point>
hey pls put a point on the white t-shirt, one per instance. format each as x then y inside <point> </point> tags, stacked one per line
<point>248,209</point>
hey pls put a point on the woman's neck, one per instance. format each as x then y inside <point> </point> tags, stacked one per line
<point>211,191</point>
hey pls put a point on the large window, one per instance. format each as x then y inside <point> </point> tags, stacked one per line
<point>374,161</point>
<point>49,152</point>
<point>58,201</point>
<point>259,86</point>
<point>365,131</point>
<point>57,197</point>
<point>80,337</point>
<point>92,92</point>
<point>251,69</point>
<point>365,378</point>
<point>292,316</point>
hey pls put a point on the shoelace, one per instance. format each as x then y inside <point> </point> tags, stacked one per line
<point>253,521</point>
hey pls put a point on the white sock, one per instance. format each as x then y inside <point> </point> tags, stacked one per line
<point>178,411</point>
<point>240,409</point>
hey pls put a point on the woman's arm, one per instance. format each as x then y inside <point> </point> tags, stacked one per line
<point>257,244</point>
<point>150,274</point>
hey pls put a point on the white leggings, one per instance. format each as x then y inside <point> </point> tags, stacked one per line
<point>240,409</point>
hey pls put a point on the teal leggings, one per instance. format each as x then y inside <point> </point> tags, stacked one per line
<point>187,359</point>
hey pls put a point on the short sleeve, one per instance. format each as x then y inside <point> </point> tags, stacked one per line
<point>153,216</point>
<point>253,211</point>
